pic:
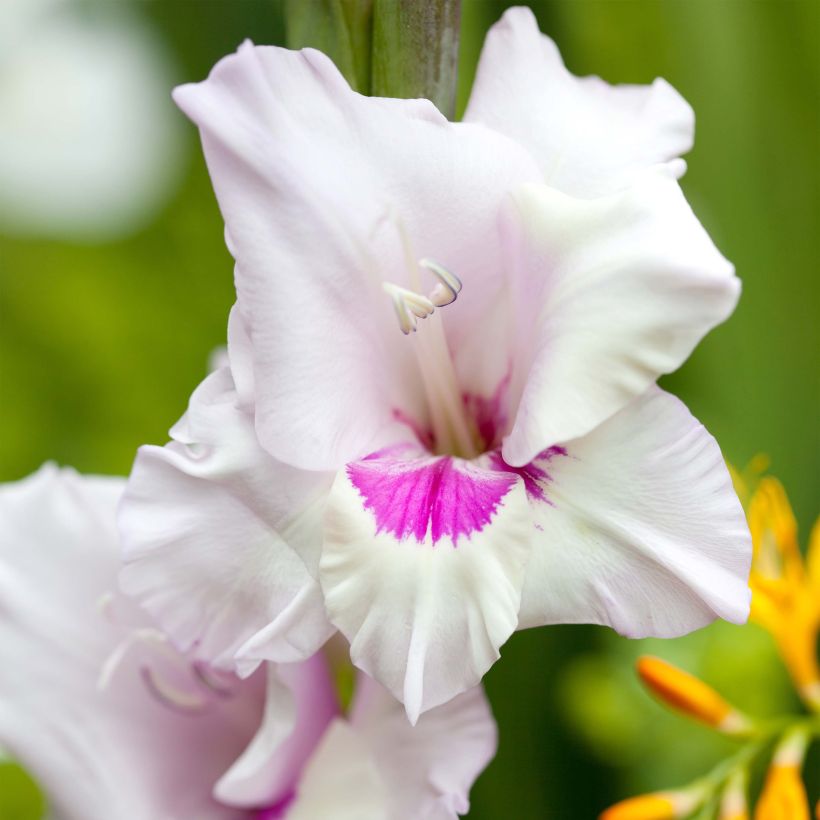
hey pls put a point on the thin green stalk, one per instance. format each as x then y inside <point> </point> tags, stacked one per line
<point>415,50</point>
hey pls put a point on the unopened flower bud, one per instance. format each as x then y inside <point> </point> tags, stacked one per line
<point>691,696</point>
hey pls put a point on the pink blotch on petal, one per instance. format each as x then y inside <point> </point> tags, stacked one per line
<point>444,496</point>
<point>534,475</point>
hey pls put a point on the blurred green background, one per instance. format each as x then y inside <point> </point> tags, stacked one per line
<point>103,335</point>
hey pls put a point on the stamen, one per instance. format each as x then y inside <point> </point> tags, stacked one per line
<point>450,427</point>
<point>408,306</point>
<point>171,696</point>
<point>448,286</point>
<point>145,636</point>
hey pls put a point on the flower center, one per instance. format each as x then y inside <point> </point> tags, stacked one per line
<point>451,430</point>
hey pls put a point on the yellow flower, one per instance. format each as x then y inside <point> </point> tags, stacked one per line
<point>785,593</point>
<point>784,795</point>
<point>690,695</point>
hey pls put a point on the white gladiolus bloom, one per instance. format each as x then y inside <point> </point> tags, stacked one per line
<point>439,422</point>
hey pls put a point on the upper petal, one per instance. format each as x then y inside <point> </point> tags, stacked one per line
<point>590,138</point>
<point>611,293</point>
<point>422,567</point>
<point>218,538</point>
<point>326,196</point>
<point>428,768</point>
<point>97,754</point>
<point>639,528</point>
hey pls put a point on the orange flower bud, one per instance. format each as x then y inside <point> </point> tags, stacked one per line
<point>784,795</point>
<point>690,695</point>
<point>656,806</point>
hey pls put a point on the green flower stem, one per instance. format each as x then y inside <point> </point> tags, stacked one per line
<point>389,48</point>
<point>415,50</point>
<point>770,736</point>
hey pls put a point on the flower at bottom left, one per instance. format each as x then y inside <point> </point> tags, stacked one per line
<point>113,721</point>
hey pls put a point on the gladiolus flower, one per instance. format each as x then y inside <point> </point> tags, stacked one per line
<point>439,423</point>
<point>115,722</point>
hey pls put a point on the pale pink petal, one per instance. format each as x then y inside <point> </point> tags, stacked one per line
<point>219,539</point>
<point>611,293</point>
<point>299,705</point>
<point>638,528</point>
<point>341,781</point>
<point>429,768</point>
<point>120,752</point>
<point>327,195</point>
<point>590,138</point>
<point>240,359</point>
<point>422,567</point>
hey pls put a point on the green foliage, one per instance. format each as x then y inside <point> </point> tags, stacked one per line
<point>20,798</point>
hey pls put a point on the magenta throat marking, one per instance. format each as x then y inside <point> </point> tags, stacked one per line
<point>488,414</point>
<point>534,475</point>
<point>447,497</point>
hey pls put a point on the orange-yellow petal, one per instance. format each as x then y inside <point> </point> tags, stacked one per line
<point>690,695</point>
<point>784,795</point>
<point>656,806</point>
<point>813,562</point>
<point>776,553</point>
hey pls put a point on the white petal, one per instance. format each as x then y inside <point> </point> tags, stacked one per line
<point>299,704</point>
<point>422,574</point>
<point>429,768</point>
<point>218,538</point>
<point>643,530</point>
<point>327,195</point>
<point>612,293</point>
<point>590,138</point>
<point>97,754</point>
<point>341,781</point>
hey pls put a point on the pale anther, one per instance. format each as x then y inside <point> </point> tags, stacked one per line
<point>409,306</point>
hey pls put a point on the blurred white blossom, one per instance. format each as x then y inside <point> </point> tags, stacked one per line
<point>90,146</point>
